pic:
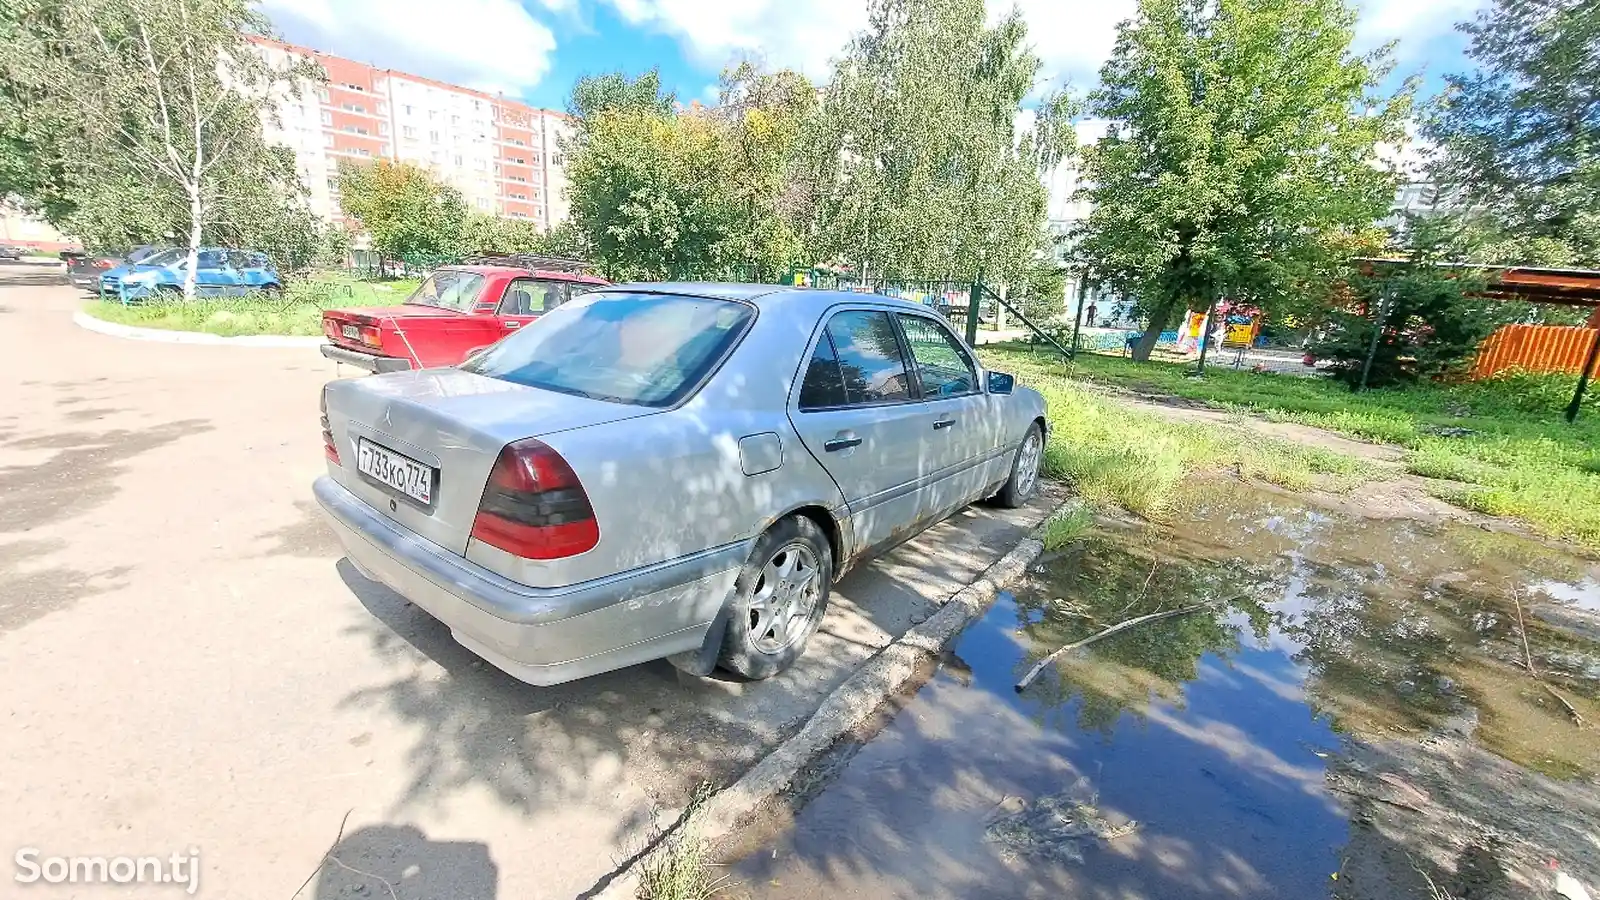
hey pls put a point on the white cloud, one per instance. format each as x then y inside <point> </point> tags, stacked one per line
<point>491,45</point>
<point>803,36</point>
<point>1072,37</point>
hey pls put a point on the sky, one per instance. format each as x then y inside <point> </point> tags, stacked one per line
<point>536,49</point>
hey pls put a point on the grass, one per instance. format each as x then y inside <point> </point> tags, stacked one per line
<point>297,312</point>
<point>1061,530</point>
<point>1114,455</point>
<point>1500,446</point>
<point>680,866</point>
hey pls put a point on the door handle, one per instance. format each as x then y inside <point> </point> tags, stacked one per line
<point>943,423</point>
<point>513,324</point>
<point>841,444</point>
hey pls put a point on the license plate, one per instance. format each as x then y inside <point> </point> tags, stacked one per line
<point>396,470</point>
<point>351,332</point>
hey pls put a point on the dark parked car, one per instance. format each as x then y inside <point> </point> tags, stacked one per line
<point>9,252</point>
<point>85,270</point>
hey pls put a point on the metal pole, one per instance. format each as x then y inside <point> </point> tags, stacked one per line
<point>1377,332</point>
<point>1206,329</point>
<point>973,299</point>
<point>1583,379</point>
<point>1077,320</point>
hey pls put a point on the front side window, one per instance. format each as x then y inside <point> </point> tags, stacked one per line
<point>449,289</point>
<point>942,366</point>
<point>621,347</point>
<point>869,357</point>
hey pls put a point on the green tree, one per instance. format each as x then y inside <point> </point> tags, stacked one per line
<point>1519,136</point>
<point>594,94</point>
<point>914,166</point>
<point>761,115</point>
<point>406,212</point>
<point>648,195</point>
<point>146,117</point>
<point>1243,136</point>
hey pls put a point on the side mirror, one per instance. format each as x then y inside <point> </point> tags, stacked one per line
<point>1001,383</point>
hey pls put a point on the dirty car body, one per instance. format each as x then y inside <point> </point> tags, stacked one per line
<point>586,494</point>
<point>455,312</point>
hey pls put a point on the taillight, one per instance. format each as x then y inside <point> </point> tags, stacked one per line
<point>534,506</point>
<point>329,448</point>
<point>102,264</point>
<point>370,335</point>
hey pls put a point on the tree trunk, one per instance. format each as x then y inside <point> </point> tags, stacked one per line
<point>195,218</point>
<point>1160,317</point>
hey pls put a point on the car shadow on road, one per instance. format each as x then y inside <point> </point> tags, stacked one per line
<point>631,746</point>
<point>401,863</point>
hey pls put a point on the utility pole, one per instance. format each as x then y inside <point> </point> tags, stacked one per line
<point>1583,378</point>
<point>1077,320</point>
<point>1377,332</point>
<point>1206,329</point>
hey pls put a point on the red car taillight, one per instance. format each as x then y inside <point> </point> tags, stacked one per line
<point>102,264</point>
<point>329,448</point>
<point>534,506</point>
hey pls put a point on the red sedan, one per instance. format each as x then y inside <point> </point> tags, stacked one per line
<point>455,312</point>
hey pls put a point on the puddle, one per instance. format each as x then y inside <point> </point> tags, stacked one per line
<point>1211,754</point>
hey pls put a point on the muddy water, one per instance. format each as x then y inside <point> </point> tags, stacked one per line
<point>1228,753</point>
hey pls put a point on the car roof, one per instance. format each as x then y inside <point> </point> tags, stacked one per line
<point>485,269</point>
<point>761,294</point>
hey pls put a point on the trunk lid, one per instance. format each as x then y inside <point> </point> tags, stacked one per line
<point>453,422</point>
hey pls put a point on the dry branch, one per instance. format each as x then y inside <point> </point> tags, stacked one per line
<point>1120,626</point>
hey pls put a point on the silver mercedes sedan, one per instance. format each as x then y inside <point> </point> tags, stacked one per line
<point>668,470</point>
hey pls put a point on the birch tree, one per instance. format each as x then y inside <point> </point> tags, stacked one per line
<point>163,101</point>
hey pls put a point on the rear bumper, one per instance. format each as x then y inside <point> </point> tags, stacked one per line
<point>371,362</point>
<point>542,636</point>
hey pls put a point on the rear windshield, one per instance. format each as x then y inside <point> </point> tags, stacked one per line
<point>643,349</point>
<point>164,258</point>
<point>449,289</point>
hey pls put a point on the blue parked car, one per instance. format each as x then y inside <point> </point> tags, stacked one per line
<point>220,273</point>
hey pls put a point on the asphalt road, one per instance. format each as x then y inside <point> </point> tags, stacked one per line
<point>188,665</point>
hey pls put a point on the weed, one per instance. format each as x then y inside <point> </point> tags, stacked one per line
<point>679,867</point>
<point>297,312</point>
<point>1063,529</point>
<point>1508,453</point>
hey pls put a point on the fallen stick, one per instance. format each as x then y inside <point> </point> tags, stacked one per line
<point>1571,710</point>
<point>1527,656</point>
<point>1120,626</point>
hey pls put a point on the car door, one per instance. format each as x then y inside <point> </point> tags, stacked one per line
<point>947,378</point>
<point>526,299</point>
<point>857,411</point>
<point>213,277</point>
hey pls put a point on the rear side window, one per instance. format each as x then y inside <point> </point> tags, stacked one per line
<point>869,357</point>
<point>530,297</point>
<point>823,384</point>
<point>642,349</point>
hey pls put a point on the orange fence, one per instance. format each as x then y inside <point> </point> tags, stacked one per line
<point>1534,348</point>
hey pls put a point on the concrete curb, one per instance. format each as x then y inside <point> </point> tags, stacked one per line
<point>850,704</point>
<point>165,336</point>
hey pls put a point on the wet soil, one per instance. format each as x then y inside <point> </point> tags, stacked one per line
<point>1351,716</point>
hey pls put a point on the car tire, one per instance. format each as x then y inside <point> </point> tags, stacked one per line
<point>774,614</point>
<point>272,291</point>
<point>1024,480</point>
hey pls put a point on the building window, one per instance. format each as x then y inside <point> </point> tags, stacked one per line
<point>408,131</point>
<point>431,114</point>
<point>555,159</point>
<point>327,140</point>
<point>353,107</point>
<point>327,117</point>
<point>483,202</point>
<point>353,87</point>
<point>383,127</point>
<point>322,94</point>
<point>437,157</point>
<point>476,104</point>
<point>383,108</point>
<point>408,109</point>
<point>455,120</point>
<point>433,136</point>
<point>458,159</point>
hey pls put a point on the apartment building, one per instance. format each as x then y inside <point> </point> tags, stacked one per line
<point>504,156</point>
